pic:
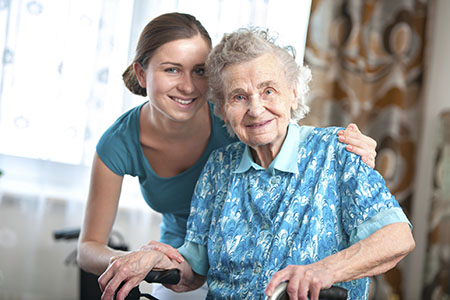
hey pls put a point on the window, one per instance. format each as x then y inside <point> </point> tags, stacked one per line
<point>61,85</point>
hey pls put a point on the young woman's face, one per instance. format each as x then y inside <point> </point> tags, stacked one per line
<point>175,78</point>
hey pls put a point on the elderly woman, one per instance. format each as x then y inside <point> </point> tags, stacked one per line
<point>287,202</point>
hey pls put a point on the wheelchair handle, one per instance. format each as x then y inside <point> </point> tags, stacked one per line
<point>333,293</point>
<point>171,276</point>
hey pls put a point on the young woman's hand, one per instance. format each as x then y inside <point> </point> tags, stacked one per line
<point>359,144</point>
<point>130,269</point>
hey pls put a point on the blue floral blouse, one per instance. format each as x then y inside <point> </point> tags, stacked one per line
<point>315,199</point>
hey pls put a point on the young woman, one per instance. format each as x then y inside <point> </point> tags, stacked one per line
<point>165,142</point>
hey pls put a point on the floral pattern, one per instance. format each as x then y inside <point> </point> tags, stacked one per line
<point>257,222</point>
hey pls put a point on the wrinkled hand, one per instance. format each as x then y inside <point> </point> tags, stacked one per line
<point>130,269</point>
<point>359,144</point>
<point>168,250</point>
<point>304,281</point>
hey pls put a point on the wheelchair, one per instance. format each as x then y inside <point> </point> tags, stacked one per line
<point>172,276</point>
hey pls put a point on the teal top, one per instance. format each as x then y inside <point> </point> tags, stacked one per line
<point>121,151</point>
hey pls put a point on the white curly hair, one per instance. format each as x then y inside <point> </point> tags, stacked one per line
<point>244,45</point>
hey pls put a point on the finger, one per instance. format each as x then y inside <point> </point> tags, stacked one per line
<point>314,290</point>
<point>370,142</point>
<point>275,281</point>
<point>366,156</point>
<point>105,278</point>
<point>364,148</point>
<point>125,289</point>
<point>369,161</point>
<point>353,127</point>
<point>303,288</point>
<point>110,289</point>
<point>354,141</point>
<point>293,286</point>
<point>168,250</point>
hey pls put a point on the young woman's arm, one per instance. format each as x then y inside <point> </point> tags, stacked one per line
<point>93,253</point>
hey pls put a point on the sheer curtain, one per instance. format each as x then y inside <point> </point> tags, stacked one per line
<point>61,86</point>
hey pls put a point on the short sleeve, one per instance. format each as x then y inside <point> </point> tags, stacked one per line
<point>113,152</point>
<point>365,197</point>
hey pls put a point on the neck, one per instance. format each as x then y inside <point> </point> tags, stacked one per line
<point>264,155</point>
<point>159,124</point>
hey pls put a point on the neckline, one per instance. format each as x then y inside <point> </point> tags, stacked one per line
<point>191,168</point>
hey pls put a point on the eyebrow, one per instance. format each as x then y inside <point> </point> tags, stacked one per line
<point>259,86</point>
<point>266,84</point>
<point>178,64</point>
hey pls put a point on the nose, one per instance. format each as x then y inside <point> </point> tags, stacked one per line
<point>187,85</point>
<point>255,106</point>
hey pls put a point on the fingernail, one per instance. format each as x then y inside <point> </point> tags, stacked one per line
<point>349,147</point>
<point>341,138</point>
<point>340,132</point>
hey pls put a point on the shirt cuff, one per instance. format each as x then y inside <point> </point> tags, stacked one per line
<point>386,217</point>
<point>197,257</point>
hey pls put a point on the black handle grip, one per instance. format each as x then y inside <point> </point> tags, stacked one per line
<point>171,276</point>
<point>67,234</point>
<point>333,293</point>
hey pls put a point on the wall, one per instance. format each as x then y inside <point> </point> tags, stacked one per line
<point>436,99</point>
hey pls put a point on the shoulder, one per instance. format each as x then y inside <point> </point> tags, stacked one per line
<point>125,127</point>
<point>120,141</point>
<point>327,134</point>
<point>227,156</point>
<point>322,138</point>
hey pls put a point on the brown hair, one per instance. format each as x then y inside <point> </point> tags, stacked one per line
<point>159,31</point>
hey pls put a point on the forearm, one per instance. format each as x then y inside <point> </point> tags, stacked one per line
<point>374,255</point>
<point>94,257</point>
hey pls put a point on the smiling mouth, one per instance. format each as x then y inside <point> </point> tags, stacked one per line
<point>259,124</point>
<point>184,102</point>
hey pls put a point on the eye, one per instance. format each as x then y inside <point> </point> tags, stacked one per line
<point>269,91</point>
<point>171,70</point>
<point>200,71</point>
<point>239,98</point>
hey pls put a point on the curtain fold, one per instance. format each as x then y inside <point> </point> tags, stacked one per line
<point>437,271</point>
<point>367,59</point>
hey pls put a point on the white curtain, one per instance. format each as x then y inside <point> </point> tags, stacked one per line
<point>60,88</point>
<point>61,61</point>
<point>61,85</point>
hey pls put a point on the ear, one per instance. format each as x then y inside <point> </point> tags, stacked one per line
<point>294,103</point>
<point>140,74</point>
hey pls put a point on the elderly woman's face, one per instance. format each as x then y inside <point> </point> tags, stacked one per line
<point>258,101</point>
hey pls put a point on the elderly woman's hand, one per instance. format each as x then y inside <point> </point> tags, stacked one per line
<point>359,144</point>
<point>130,269</point>
<point>304,281</point>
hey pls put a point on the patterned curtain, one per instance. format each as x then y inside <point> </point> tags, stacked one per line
<point>437,272</point>
<point>367,63</point>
